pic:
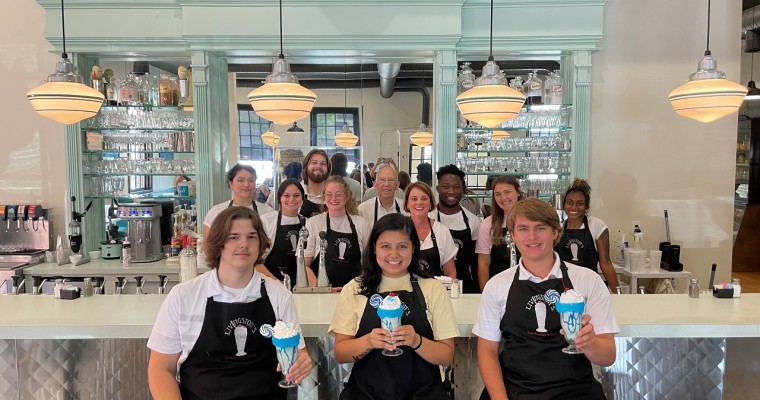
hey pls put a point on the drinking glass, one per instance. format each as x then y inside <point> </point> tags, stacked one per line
<point>570,315</point>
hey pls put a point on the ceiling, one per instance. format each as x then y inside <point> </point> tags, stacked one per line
<point>749,4</point>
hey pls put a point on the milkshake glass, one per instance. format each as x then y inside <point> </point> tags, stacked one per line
<point>285,339</point>
<point>570,307</point>
<point>390,310</point>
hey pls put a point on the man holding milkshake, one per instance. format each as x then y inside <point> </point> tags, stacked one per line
<point>527,307</point>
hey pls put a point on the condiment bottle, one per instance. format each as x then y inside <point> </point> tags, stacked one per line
<point>737,287</point>
<point>57,288</point>
<point>694,288</point>
<point>455,289</point>
<point>188,264</point>
<point>87,287</point>
<point>126,253</point>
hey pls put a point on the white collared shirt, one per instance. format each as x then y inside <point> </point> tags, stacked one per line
<point>180,319</point>
<point>493,301</point>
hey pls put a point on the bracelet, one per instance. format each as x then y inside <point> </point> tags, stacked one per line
<point>419,345</point>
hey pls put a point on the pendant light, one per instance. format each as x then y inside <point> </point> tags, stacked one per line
<point>708,95</point>
<point>63,97</point>
<point>422,137</point>
<point>346,138</point>
<point>295,128</point>
<point>281,99</point>
<point>491,101</point>
<point>269,137</point>
<point>753,93</point>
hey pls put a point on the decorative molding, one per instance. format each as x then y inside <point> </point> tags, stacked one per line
<point>581,112</point>
<point>316,42</point>
<point>471,4</point>
<point>109,4</point>
<point>319,3</point>
<point>444,99</point>
<point>534,43</point>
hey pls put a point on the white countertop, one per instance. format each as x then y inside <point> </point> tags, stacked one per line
<point>132,316</point>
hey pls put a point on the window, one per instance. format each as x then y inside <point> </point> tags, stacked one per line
<point>327,122</point>
<point>252,150</point>
<point>419,155</point>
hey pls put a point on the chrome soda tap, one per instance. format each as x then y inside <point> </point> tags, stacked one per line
<point>301,277</point>
<point>322,271</point>
<point>120,283</point>
<point>18,284</point>
<point>37,286</point>
<point>286,279</point>
<point>140,283</point>
<point>162,281</point>
<point>99,286</point>
<point>512,250</point>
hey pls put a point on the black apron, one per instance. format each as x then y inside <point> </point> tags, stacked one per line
<point>282,257</point>
<point>586,254</point>
<point>214,370</point>
<point>340,270</point>
<point>309,208</point>
<point>377,202</point>
<point>500,260</point>
<point>253,203</point>
<point>532,362</point>
<point>405,377</point>
<point>465,258</point>
<point>430,259</point>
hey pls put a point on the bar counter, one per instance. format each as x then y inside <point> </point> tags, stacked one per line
<point>681,341</point>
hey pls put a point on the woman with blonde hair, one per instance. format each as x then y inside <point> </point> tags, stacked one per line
<point>346,234</point>
<point>492,248</point>
<point>437,247</point>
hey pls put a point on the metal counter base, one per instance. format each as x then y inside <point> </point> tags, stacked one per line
<point>116,369</point>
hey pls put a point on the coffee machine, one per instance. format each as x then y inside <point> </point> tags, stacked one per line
<point>110,249</point>
<point>143,230</point>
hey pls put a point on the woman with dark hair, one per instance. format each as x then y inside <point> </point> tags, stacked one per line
<point>241,179</point>
<point>427,331</point>
<point>437,246</point>
<point>492,248</point>
<point>345,231</point>
<point>403,180</point>
<point>586,239</point>
<point>205,343</point>
<point>283,227</point>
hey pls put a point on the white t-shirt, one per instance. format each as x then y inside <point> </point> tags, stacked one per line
<point>367,209</point>
<point>456,222</point>
<point>270,226</point>
<point>180,319</point>
<point>483,246</point>
<point>493,301</point>
<point>447,249</point>
<point>318,224</point>
<point>212,213</point>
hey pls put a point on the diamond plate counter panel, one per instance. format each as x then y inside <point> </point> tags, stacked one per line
<point>8,370</point>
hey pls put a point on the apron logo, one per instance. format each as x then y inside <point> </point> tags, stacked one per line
<point>343,245</point>
<point>239,328</point>
<point>424,266</point>
<point>293,237</point>
<point>459,243</point>
<point>574,245</point>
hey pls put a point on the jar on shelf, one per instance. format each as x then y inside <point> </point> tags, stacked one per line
<point>553,88</point>
<point>168,90</point>
<point>130,91</point>
<point>533,88</point>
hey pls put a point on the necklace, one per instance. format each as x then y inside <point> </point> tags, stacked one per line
<point>337,222</point>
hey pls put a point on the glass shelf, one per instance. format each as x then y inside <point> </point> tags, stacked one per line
<point>122,129</point>
<point>141,174</point>
<point>500,173</point>
<point>478,152</point>
<point>141,196</point>
<point>135,152</point>
<point>559,128</point>
<point>146,107</point>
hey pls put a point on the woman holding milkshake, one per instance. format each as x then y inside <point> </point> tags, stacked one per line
<point>427,331</point>
<point>520,306</point>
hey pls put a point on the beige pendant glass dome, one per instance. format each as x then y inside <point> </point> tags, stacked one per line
<point>498,135</point>
<point>346,138</point>
<point>63,97</point>
<point>490,102</point>
<point>422,137</point>
<point>270,138</point>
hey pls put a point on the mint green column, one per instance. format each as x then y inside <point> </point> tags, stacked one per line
<point>581,99</point>
<point>211,109</point>
<point>444,99</point>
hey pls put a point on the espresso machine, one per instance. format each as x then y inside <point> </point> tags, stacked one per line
<point>143,230</point>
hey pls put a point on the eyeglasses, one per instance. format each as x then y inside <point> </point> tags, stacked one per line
<point>336,195</point>
<point>386,181</point>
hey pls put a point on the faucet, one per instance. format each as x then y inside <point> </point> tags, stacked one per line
<point>322,271</point>
<point>162,281</point>
<point>18,283</point>
<point>140,283</point>
<point>37,286</point>
<point>301,278</point>
<point>99,285</point>
<point>120,283</point>
<point>285,278</point>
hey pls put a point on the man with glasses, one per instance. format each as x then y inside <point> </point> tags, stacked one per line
<point>463,224</point>
<point>386,185</point>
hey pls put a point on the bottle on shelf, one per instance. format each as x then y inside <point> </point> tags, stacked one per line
<point>533,88</point>
<point>111,88</point>
<point>553,88</point>
<point>130,92</point>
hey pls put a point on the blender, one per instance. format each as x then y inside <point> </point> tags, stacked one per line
<point>110,249</point>
<point>75,235</point>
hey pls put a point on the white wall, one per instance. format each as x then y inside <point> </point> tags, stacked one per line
<point>32,161</point>
<point>643,157</point>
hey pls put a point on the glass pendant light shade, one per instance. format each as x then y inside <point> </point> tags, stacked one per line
<point>63,97</point>
<point>708,95</point>
<point>281,99</point>
<point>498,135</point>
<point>270,138</point>
<point>346,138</point>
<point>491,102</point>
<point>422,137</point>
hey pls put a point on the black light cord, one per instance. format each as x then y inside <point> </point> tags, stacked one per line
<point>345,93</point>
<point>490,38</point>
<point>707,52</point>
<point>281,53</point>
<point>63,31</point>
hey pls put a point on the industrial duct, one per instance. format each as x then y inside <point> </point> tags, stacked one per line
<point>388,73</point>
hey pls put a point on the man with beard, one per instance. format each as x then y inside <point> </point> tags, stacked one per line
<point>316,169</point>
<point>463,224</point>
